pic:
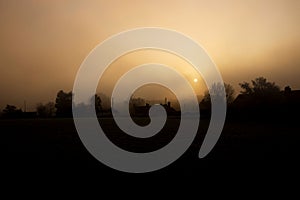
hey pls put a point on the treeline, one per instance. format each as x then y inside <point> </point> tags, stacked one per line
<point>62,107</point>
<point>257,99</point>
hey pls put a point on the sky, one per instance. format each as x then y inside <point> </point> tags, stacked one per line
<point>44,42</point>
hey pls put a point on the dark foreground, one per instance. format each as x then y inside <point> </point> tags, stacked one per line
<point>46,146</point>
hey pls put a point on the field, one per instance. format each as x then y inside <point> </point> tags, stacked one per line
<point>43,144</point>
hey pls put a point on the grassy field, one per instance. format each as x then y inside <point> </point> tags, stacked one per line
<point>54,143</point>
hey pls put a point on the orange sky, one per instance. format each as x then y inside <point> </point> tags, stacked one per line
<point>43,42</point>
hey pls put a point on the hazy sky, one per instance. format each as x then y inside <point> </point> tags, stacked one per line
<point>43,42</point>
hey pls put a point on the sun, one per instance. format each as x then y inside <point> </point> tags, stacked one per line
<point>195,80</point>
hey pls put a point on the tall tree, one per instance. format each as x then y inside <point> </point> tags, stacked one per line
<point>98,104</point>
<point>63,104</point>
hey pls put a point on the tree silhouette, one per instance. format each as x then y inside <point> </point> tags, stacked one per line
<point>46,110</point>
<point>105,101</point>
<point>11,111</point>
<point>260,87</point>
<point>259,99</point>
<point>98,104</point>
<point>216,92</point>
<point>137,101</point>
<point>134,102</point>
<point>63,104</point>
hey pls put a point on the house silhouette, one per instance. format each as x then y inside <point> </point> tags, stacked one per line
<point>284,105</point>
<point>287,96</point>
<point>143,111</point>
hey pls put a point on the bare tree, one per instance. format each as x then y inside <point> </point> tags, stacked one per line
<point>216,92</point>
<point>46,110</point>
